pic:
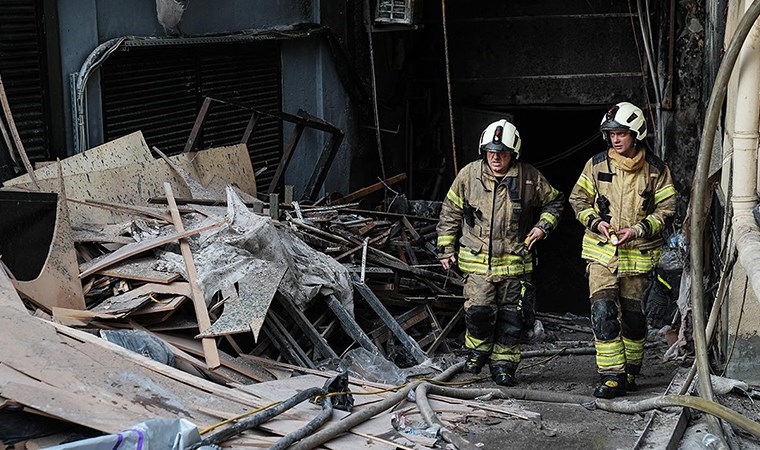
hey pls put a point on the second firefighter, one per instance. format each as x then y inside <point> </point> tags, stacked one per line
<point>623,198</point>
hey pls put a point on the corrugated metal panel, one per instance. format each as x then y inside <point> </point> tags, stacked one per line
<point>22,66</point>
<point>160,90</point>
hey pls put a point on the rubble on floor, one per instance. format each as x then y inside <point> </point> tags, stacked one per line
<point>164,288</point>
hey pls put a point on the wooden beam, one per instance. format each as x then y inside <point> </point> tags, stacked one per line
<point>323,166</point>
<point>288,340</point>
<point>210,351</point>
<point>457,317</point>
<point>285,160</point>
<point>350,326</point>
<point>409,344</point>
<point>193,138</point>
<point>363,192</point>
<point>320,344</point>
<point>16,137</point>
<point>143,246</point>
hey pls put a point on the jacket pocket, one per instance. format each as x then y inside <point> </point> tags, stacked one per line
<point>471,243</point>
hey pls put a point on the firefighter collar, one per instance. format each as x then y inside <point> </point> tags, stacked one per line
<point>628,164</point>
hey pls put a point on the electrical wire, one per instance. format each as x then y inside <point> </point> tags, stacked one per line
<point>238,417</point>
<point>567,153</point>
<point>641,63</point>
<point>448,86</point>
<point>646,36</point>
<point>738,324</point>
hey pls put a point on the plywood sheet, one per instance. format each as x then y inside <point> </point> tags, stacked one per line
<point>117,153</point>
<point>140,269</point>
<point>135,183</point>
<point>129,301</point>
<point>8,296</point>
<point>247,312</point>
<point>87,379</point>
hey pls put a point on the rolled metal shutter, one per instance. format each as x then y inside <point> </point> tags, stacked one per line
<point>159,90</point>
<point>24,73</point>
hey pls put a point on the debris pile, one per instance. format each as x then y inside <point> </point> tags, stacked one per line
<point>202,310</point>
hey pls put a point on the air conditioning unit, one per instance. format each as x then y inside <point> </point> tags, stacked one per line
<point>399,12</point>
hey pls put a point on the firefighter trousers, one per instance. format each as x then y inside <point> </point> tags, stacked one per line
<point>493,315</point>
<point>618,322</point>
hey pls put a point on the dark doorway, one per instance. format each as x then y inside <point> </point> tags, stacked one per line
<point>559,142</point>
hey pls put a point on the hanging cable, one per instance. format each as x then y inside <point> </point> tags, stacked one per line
<point>448,87</point>
<point>368,25</point>
<point>567,153</point>
<point>646,37</point>
<point>641,65</point>
<point>698,214</point>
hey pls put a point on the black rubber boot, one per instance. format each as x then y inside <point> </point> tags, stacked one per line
<point>476,359</point>
<point>630,384</point>
<point>611,386</point>
<point>504,374</point>
<point>631,370</point>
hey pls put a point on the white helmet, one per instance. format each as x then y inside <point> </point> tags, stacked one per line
<point>500,136</point>
<point>624,115</point>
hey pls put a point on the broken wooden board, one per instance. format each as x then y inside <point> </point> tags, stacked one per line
<point>85,380</point>
<point>80,236</point>
<point>194,347</point>
<point>123,304</point>
<point>247,312</point>
<point>159,307</point>
<point>8,295</point>
<point>174,323</point>
<point>143,246</point>
<point>140,269</point>
<point>117,153</point>
<point>135,183</point>
<point>210,351</point>
<point>78,318</point>
<point>665,428</point>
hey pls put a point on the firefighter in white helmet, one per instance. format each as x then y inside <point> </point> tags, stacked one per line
<point>492,216</point>
<point>623,198</point>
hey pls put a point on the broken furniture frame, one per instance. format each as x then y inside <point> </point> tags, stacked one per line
<point>302,121</point>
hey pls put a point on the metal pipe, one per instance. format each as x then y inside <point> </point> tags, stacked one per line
<point>365,414</point>
<point>745,136</point>
<point>313,425</point>
<point>259,418</point>
<point>618,406</point>
<point>93,61</point>
<point>433,421</point>
<point>696,239</point>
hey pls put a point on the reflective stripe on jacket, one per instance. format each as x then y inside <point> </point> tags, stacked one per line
<point>641,200</point>
<point>490,220</point>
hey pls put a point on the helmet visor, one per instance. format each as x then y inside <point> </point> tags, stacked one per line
<point>612,124</point>
<point>495,147</point>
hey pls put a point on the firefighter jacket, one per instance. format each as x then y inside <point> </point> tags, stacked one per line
<point>490,218</point>
<point>640,196</point>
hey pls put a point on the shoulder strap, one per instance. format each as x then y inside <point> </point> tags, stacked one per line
<point>599,158</point>
<point>654,161</point>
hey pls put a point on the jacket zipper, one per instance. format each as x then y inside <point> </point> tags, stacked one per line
<point>493,217</point>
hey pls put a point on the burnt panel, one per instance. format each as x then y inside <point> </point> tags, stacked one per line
<point>160,91</point>
<point>24,73</point>
<point>27,226</point>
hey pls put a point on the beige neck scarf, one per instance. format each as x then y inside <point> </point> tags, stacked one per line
<point>628,164</point>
